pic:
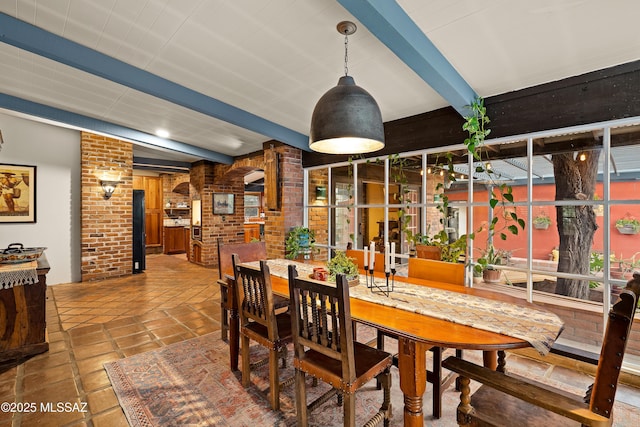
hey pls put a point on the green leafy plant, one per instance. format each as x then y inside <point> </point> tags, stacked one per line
<point>342,264</point>
<point>628,222</point>
<point>542,220</point>
<point>596,265</point>
<point>492,257</point>
<point>300,240</point>
<point>501,193</point>
<point>625,265</point>
<point>449,251</point>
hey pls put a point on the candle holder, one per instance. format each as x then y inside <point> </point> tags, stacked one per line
<point>385,287</point>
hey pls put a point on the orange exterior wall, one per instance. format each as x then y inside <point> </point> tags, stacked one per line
<point>545,240</point>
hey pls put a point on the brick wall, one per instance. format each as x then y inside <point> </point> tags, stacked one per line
<point>584,324</point>
<point>171,181</point>
<point>106,233</point>
<point>207,178</point>
<point>291,183</point>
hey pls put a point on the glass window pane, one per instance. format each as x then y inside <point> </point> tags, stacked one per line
<point>318,223</point>
<point>342,227</point>
<point>317,186</point>
<point>370,181</point>
<point>625,169</point>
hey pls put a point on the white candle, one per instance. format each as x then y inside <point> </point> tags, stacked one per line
<point>366,257</point>
<point>372,255</point>
<point>386,258</point>
<point>393,256</point>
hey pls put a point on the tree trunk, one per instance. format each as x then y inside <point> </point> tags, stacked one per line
<point>575,180</point>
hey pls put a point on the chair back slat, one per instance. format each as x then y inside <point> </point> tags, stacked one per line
<point>321,319</point>
<point>621,316</point>
<point>255,294</point>
<point>247,252</point>
<point>439,271</point>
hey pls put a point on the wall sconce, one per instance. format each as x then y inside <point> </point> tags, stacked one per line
<point>321,193</point>
<point>108,187</point>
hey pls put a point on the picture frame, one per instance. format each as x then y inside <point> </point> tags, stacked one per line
<point>17,193</point>
<point>223,203</point>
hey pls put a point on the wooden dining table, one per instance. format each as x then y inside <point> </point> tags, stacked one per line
<point>417,333</point>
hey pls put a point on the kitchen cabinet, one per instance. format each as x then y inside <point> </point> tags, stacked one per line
<point>251,232</point>
<point>175,240</point>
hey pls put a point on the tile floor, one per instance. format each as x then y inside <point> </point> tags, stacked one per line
<point>89,324</point>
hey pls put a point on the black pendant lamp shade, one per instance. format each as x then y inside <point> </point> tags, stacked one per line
<point>346,120</point>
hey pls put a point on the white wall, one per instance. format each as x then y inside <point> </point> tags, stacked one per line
<point>55,152</point>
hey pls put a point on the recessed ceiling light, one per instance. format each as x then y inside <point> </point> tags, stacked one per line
<point>162,133</point>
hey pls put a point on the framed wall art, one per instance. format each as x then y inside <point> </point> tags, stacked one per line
<point>223,203</point>
<point>18,193</point>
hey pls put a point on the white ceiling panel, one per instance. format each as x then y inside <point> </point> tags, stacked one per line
<point>274,59</point>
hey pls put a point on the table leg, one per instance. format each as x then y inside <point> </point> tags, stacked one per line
<point>413,379</point>
<point>490,359</point>
<point>234,326</point>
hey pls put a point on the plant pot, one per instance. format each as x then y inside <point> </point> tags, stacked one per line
<point>428,252</point>
<point>491,276</point>
<point>627,229</point>
<point>304,255</point>
<point>353,282</point>
<point>540,226</point>
<point>617,273</point>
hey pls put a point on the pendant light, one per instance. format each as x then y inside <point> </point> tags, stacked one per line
<point>346,120</point>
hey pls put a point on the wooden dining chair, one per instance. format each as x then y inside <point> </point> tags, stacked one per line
<point>508,400</point>
<point>358,256</point>
<point>247,252</point>
<point>439,271</point>
<point>229,320</point>
<point>325,349</point>
<point>260,323</point>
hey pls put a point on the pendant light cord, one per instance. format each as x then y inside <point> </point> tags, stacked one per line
<point>346,54</point>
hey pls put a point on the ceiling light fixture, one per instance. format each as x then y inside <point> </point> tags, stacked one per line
<point>346,119</point>
<point>162,133</point>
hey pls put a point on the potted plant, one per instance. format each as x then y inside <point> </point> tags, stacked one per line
<point>477,276</point>
<point>342,264</point>
<point>623,268</point>
<point>300,242</point>
<point>427,246</point>
<point>628,225</point>
<point>542,222</point>
<point>488,262</point>
<point>439,247</point>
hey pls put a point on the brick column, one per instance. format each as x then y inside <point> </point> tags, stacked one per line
<point>291,184</point>
<point>206,179</point>
<point>107,225</point>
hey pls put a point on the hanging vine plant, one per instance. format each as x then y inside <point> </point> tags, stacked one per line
<point>501,193</point>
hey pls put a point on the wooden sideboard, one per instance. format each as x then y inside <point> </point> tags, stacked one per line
<point>24,307</point>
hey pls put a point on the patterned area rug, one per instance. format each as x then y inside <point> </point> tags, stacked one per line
<point>190,383</point>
